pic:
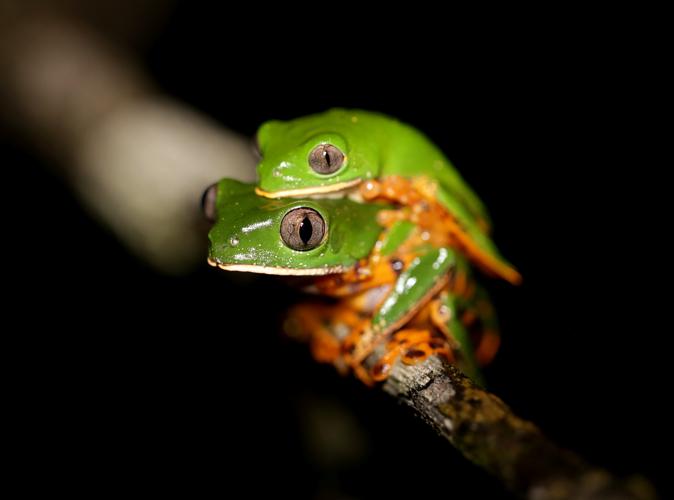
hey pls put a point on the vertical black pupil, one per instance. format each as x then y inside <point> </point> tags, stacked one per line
<point>326,157</point>
<point>305,230</point>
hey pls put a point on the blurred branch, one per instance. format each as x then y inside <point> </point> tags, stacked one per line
<point>138,160</point>
<point>130,23</point>
<point>514,450</point>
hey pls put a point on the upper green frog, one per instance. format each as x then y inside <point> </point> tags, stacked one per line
<point>340,148</point>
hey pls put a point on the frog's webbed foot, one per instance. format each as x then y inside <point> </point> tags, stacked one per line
<point>411,346</point>
<point>397,189</point>
<point>428,334</point>
<point>419,198</point>
<point>420,205</point>
<point>343,337</point>
<point>336,334</point>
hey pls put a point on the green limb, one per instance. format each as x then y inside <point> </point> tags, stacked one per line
<point>480,325</point>
<point>417,283</point>
<point>485,252</point>
<point>465,355</point>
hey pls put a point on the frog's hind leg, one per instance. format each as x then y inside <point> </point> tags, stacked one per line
<point>469,317</point>
<point>446,315</point>
<point>473,241</point>
<point>479,318</point>
<point>443,216</point>
<point>391,323</point>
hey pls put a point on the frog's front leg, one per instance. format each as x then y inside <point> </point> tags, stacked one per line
<point>449,327</point>
<point>479,319</point>
<point>416,286</point>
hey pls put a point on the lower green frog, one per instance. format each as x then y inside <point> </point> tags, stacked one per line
<point>400,289</point>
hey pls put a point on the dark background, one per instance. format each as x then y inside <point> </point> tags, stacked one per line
<point>159,384</point>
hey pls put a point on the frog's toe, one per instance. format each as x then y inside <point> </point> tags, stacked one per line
<point>411,346</point>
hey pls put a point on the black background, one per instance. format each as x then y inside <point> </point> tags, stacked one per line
<point>152,383</point>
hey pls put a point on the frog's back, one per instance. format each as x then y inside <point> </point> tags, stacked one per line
<point>407,152</point>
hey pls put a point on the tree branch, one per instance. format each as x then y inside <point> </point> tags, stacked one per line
<point>138,160</point>
<point>488,433</point>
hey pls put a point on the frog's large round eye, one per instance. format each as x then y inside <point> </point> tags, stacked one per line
<point>208,206</point>
<point>326,159</point>
<point>302,229</point>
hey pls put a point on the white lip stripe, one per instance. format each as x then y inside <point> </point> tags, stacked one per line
<point>280,271</point>
<point>308,191</point>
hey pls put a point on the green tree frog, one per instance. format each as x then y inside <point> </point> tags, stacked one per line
<point>398,286</point>
<point>353,152</point>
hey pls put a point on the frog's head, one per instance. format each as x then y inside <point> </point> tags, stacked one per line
<point>286,236</point>
<point>316,154</point>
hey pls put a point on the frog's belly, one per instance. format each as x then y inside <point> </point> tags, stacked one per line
<point>368,301</point>
<point>356,296</point>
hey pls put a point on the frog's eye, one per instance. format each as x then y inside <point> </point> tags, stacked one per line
<point>208,206</point>
<point>302,229</point>
<point>326,159</point>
